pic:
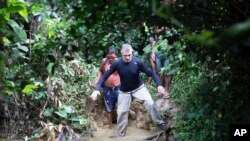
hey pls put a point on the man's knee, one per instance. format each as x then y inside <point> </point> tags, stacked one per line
<point>149,103</point>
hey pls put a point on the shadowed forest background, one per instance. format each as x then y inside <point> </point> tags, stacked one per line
<point>50,49</point>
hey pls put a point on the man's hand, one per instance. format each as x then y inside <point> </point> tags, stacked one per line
<point>161,90</point>
<point>94,95</point>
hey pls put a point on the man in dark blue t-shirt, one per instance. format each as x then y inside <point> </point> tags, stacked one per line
<point>129,68</point>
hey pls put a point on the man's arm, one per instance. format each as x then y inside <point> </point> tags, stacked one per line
<point>100,71</point>
<point>144,68</point>
<point>147,70</point>
<point>152,63</point>
<point>102,79</point>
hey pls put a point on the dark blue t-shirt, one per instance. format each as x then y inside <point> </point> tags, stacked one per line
<point>129,74</point>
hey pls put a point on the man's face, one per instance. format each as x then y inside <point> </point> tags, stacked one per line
<point>111,57</point>
<point>126,56</point>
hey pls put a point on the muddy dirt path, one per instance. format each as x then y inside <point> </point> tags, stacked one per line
<point>133,134</point>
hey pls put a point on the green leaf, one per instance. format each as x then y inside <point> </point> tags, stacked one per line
<point>147,49</point>
<point>24,14</point>
<point>50,67</point>
<point>79,119</point>
<point>35,8</point>
<point>180,56</point>
<point>40,95</point>
<point>215,88</point>
<point>64,67</point>
<point>18,30</point>
<point>15,6</point>
<point>71,71</point>
<point>67,109</point>
<point>10,2</point>
<point>51,33</point>
<point>7,16</point>
<point>23,48</point>
<point>6,40</point>
<point>173,71</point>
<point>15,9</point>
<point>48,112</point>
<point>2,11</point>
<point>62,113</point>
<point>17,53</point>
<point>28,89</point>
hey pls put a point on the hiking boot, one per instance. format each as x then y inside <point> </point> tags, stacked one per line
<point>163,126</point>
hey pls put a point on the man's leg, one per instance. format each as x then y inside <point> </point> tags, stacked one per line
<point>167,82</point>
<point>124,101</point>
<point>113,97</point>
<point>144,96</point>
<point>109,99</point>
<point>110,120</point>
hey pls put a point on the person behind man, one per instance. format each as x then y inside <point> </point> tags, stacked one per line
<point>158,61</point>
<point>111,85</point>
<point>129,68</point>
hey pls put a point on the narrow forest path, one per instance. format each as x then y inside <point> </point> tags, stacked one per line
<point>133,134</point>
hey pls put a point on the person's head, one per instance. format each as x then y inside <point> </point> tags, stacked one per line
<point>152,41</point>
<point>111,54</point>
<point>126,52</point>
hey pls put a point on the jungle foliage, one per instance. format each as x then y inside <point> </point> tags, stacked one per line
<point>49,50</point>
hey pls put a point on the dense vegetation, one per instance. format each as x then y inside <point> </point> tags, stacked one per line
<point>49,50</point>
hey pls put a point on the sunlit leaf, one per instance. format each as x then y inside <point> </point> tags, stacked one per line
<point>180,56</point>
<point>28,89</point>
<point>215,88</point>
<point>15,6</point>
<point>7,16</point>
<point>51,33</point>
<point>6,40</point>
<point>35,8</point>
<point>23,48</point>
<point>24,14</point>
